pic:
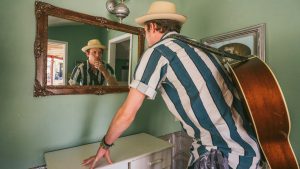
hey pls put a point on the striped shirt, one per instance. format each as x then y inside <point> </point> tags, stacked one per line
<point>198,92</point>
<point>82,74</point>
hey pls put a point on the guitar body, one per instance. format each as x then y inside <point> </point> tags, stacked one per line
<point>267,109</point>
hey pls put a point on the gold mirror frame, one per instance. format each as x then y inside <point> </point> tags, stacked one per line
<point>42,11</point>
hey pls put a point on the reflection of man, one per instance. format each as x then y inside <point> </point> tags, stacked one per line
<point>195,89</point>
<point>94,71</point>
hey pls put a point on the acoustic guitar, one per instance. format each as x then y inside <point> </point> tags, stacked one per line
<point>267,109</point>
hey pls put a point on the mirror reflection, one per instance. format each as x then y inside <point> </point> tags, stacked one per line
<point>76,53</point>
<point>81,54</point>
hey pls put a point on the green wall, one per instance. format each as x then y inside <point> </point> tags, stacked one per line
<point>31,126</point>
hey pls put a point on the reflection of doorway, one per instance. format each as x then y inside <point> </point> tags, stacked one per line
<point>57,52</point>
<point>119,57</point>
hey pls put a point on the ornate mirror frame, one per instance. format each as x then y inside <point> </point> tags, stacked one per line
<point>42,11</point>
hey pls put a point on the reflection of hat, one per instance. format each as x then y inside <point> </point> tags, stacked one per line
<point>161,10</point>
<point>94,43</point>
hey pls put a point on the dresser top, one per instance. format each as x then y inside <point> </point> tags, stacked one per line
<point>125,149</point>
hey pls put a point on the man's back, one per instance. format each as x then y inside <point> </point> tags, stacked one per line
<point>199,93</point>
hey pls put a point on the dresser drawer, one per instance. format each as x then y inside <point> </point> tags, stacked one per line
<point>123,165</point>
<point>159,160</point>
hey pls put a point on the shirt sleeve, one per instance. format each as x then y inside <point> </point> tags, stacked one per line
<point>75,76</point>
<point>149,73</point>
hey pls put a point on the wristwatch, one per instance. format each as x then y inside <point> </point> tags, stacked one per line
<point>104,145</point>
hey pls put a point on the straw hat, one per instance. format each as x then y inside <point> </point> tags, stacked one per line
<point>161,10</point>
<point>94,43</point>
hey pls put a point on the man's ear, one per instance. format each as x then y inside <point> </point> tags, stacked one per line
<point>86,53</point>
<point>153,27</point>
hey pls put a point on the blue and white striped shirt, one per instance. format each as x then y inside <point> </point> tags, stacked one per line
<point>201,96</point>
<point>83,74</point>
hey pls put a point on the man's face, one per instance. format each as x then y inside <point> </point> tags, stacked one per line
<point>94,54</point>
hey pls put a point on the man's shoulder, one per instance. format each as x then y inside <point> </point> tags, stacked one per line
<point>81,65</point>
<point>167,43</point>
<point>160,46</point>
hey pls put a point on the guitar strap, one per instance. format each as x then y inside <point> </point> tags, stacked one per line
<point>207,48</point>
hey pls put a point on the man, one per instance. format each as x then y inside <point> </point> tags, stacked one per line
<point>94,71</point>
<point>195,89</point>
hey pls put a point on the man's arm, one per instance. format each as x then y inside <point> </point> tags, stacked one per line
<point>110,79</point>
<point>125,115</point>
<point>121,121</point>
<point>76,75</point>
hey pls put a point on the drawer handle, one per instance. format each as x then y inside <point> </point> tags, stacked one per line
<point>151,163</point>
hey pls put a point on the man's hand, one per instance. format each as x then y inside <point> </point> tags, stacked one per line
<point>91,161</point>
<point>110,79</point>
<point>99,65</point>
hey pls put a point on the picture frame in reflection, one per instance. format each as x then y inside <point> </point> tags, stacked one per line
<point>245,41</point>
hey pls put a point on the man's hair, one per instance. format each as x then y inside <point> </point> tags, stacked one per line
<point>165,25</point>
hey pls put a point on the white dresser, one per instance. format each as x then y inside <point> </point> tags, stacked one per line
<point>140,151</point>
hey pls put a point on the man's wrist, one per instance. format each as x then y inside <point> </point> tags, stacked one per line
<point>104,144</point>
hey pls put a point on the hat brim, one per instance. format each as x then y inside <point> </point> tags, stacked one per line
<point>141,20</point>
<point>84,49</point>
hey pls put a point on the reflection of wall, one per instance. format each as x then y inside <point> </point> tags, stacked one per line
<point>77,37</point>
<point>119,62</point>
<point>122,60</point>
<point>134,58</point>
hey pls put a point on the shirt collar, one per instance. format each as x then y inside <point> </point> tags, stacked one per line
<point>165,35</point>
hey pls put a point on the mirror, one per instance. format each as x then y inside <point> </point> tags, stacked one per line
<point>61,37</point>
